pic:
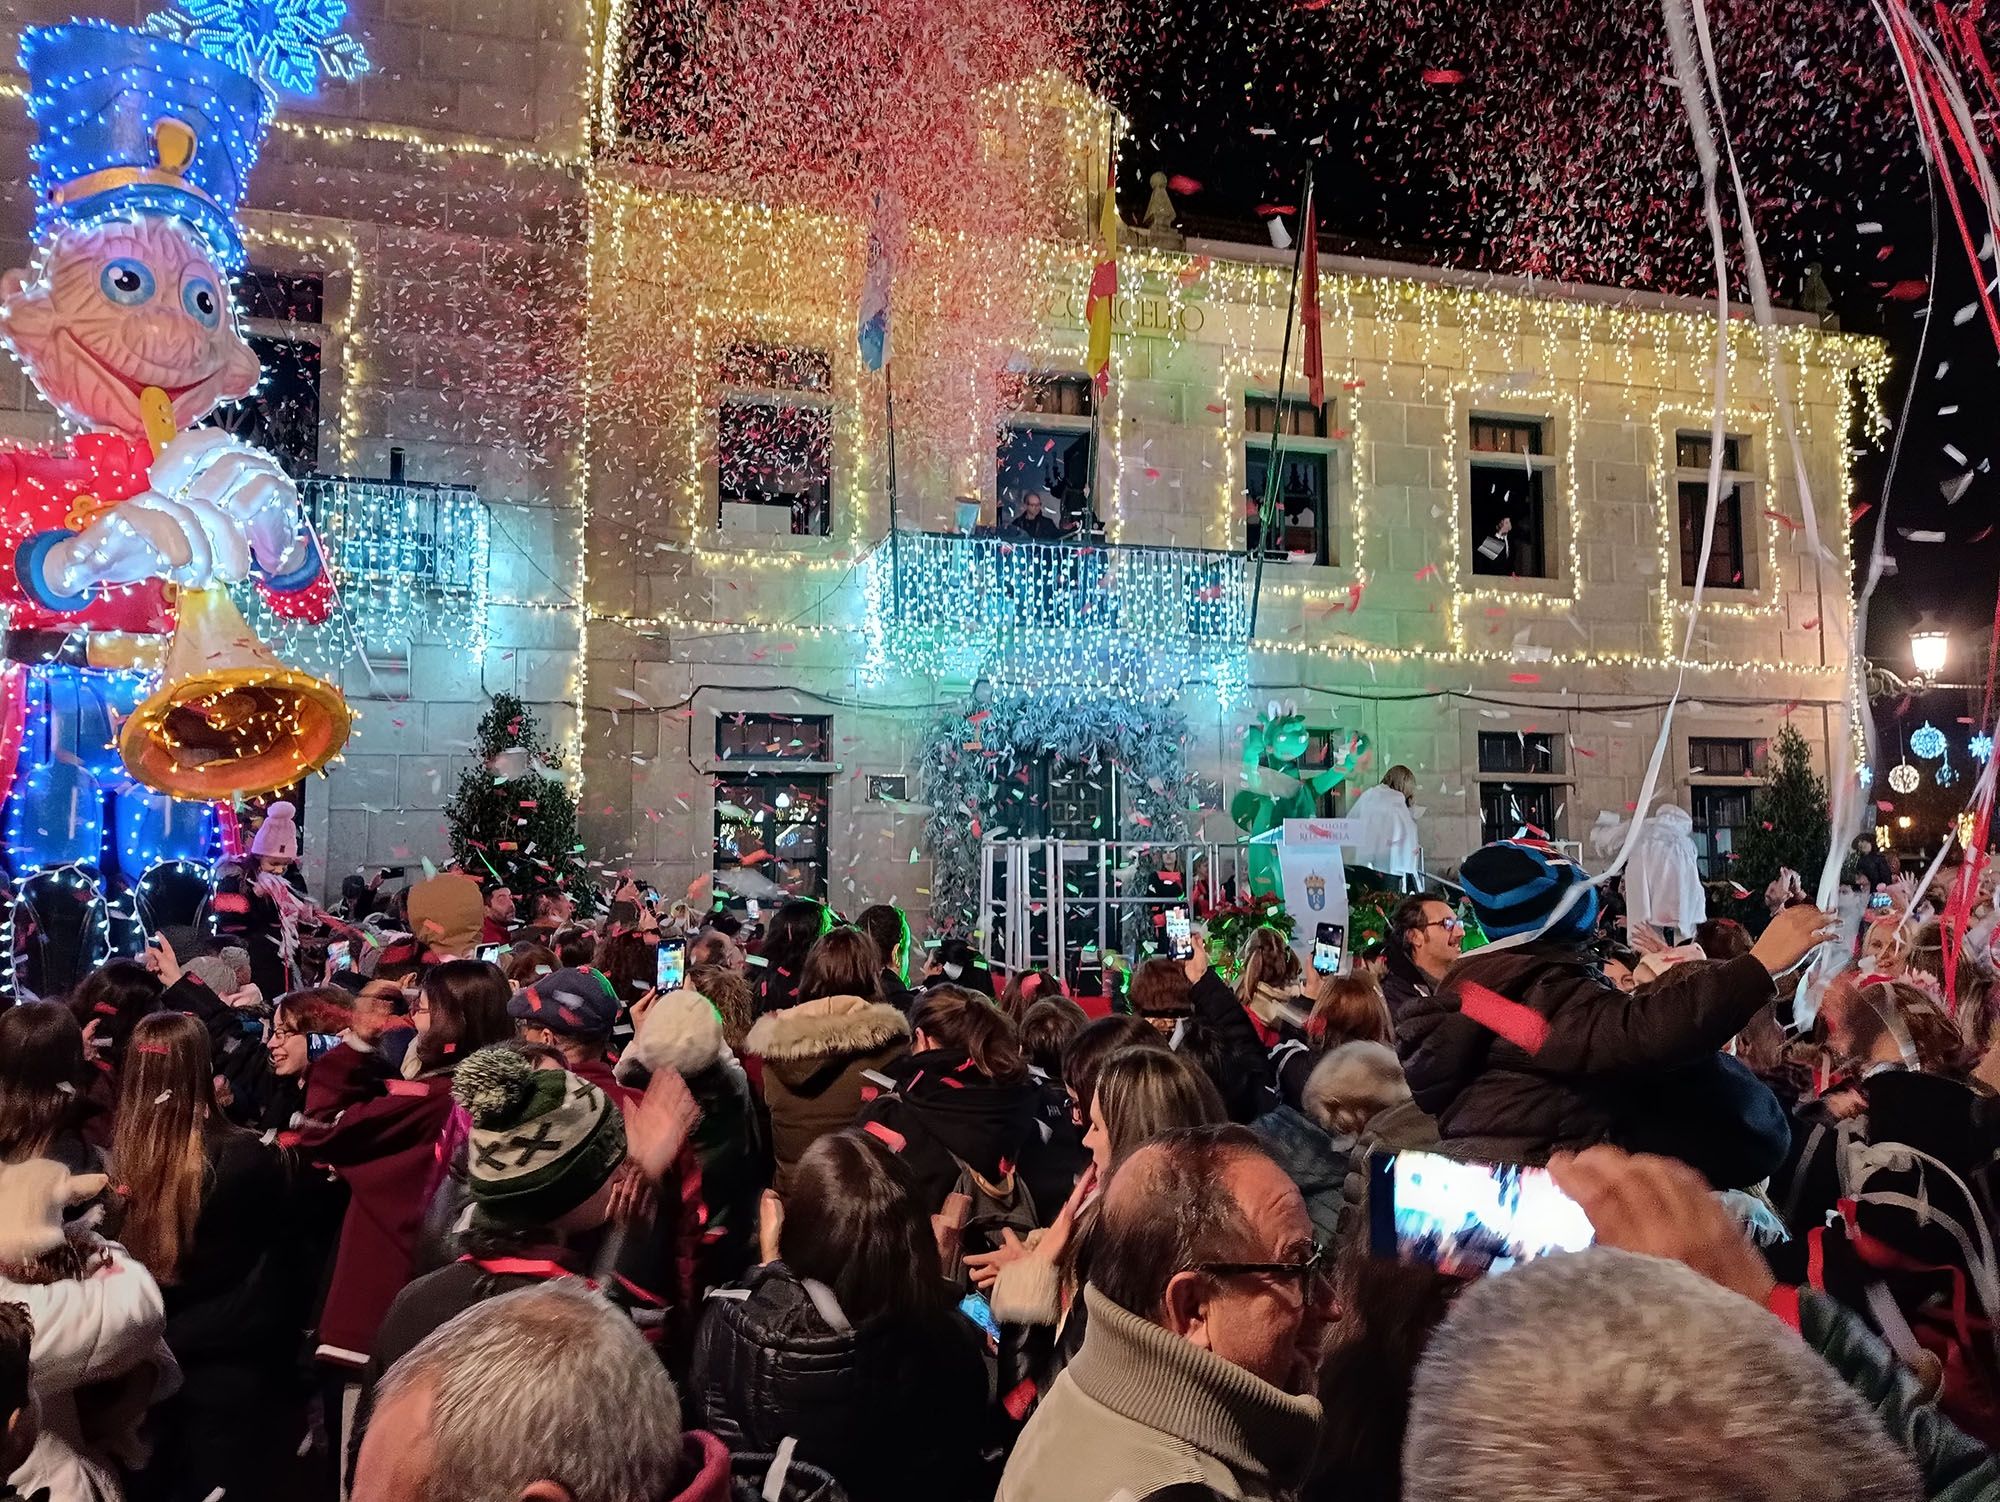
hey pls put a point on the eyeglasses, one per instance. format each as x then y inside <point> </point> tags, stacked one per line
<point>1450,924</point>
<point>1314,1274</point>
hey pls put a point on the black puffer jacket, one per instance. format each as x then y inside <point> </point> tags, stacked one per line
<point>893,1409</point>
<point>1494,1098</point>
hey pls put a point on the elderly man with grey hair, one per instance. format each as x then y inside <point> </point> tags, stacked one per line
<point>1666,1364</point>
<point>1207,1306</point>
<point>547,1394</point>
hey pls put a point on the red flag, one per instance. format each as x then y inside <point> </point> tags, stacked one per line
<point>1309,313</point>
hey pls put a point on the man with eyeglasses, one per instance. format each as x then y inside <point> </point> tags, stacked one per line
<point>1208,1305</point>
<point>1424,939</point>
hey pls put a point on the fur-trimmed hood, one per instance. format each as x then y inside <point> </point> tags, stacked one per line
<point>682,1032</point>
<point>828,1028</point>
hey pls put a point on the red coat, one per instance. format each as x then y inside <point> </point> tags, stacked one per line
<point>388,1152</point>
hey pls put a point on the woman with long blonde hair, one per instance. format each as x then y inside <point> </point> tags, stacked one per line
<point>208,1215</point>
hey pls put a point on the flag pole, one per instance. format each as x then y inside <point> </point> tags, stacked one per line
<point>1269,506</point>
<point>1096,396</point>
<point>895,532</point>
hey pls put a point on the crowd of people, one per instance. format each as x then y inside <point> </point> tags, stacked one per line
<point>483,1214</point>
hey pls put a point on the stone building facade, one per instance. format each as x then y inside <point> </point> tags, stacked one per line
<point>516,304</point>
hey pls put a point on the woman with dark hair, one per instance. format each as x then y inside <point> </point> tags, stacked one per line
<point>795,927</point>
<point>957,963</point>
<point>964,1112</point>
<point>1087,1052</point>
<point>845,1340</point>
<point>115,996</point>
<point>1047,1031</point>
<point>525,964</point>
<point>392,1152</point>
<point>208,1214</point>
<point>1159,990</point>
<point>631,962</point>
<point>1261,1025</point>
<point>1024,990</point>
<point>44,1080</point>
<point>842,962</point>
<point>811,1055</point>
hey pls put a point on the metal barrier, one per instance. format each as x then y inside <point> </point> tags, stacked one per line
<point>1042,900</point>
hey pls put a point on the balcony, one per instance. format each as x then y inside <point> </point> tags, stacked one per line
<point>1144,620</point>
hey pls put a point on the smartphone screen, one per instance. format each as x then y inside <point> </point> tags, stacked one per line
<point>337,955</point>
<point>489,953</point>
<point>1329,948</point>
<point>672,965</point>
<point>1466,1219</point>
<point>1880,900</point>
<point>975,1308</point>
<point>1180,934</point>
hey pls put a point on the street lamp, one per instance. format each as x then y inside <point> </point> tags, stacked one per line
<point>1930,645</point>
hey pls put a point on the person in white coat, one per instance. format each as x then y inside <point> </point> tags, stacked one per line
<point>1385,827</point>
<point>1663,882</point>
<point>98,1315</point>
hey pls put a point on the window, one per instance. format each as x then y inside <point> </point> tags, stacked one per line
<point>773,737</point>
<point>1728,555</point>
<point>1508,809</point>
<point>1508,495</point>
<point>774,441</point>
<point>282,315</point>
<point>1045,448</point>
<point>1326,749</point>
<point>1304,521</point>
<point>774,825</point>
<point>1725,756</point>
<point>1516,751</point>
<point>1719,813</point>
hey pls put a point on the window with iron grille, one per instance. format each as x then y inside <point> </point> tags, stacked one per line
<point>772,824</point>
<point>1044,447</point>
<point>1725,756</point>
<point>1509,809</point>
<point>1720,816</point>
<point>773,737</point>
<point>1517,751</point>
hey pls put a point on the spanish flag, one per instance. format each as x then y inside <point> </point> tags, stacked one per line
<point>1103,289</point>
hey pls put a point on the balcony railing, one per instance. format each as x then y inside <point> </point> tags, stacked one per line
<point>943,601</point>
<point>408,559</point>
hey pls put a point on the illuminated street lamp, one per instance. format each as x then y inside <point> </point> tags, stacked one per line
<point>1930,645</point>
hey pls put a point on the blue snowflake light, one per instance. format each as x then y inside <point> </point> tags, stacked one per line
<point>284,44</point>
<point>1981,748</point>
<point>1927,741</point>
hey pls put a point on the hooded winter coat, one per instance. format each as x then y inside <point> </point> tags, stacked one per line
<point>1561,1068</point>
<point>893,1407</point>
<point>946,1113</point>
<point>814,1057</point>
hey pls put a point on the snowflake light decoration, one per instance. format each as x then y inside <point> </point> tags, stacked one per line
<point>1981,748</point>
<point>1927,741</point>
<point>1903,778</point>
<point>284,44</point>
<point>1945,775</point>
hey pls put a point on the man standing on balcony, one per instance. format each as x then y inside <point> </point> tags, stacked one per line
<point>1034,524</point>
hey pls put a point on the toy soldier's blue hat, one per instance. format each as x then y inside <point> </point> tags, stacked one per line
<point>126,122</point>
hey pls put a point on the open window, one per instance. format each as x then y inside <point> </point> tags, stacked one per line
<point>1509,521</point>
<point>1730,558</point>
<point>1302,524</point>
<point>774,441</point>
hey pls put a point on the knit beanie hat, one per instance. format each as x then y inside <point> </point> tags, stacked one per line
<point>448,913</point>
<point>543,1140</point>
<point>278,835</point>
<point>577,1003</point>
<point>1516,885</point>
